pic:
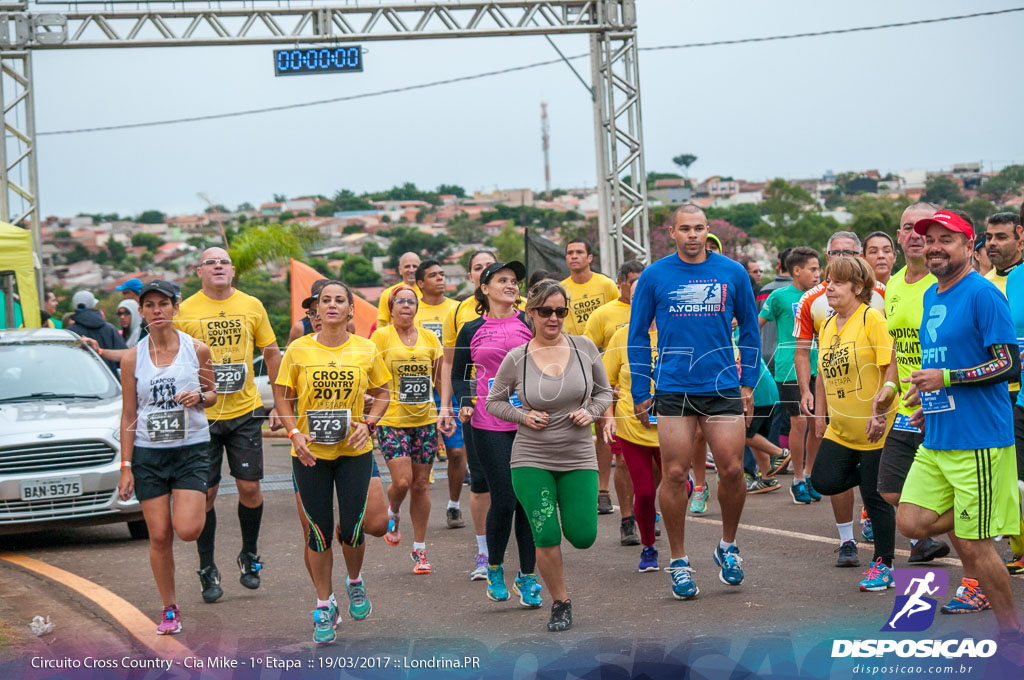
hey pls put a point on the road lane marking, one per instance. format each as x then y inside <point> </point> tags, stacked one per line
<point>140,626</point>
<point>817,539</point>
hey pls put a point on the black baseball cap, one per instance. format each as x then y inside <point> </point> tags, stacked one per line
<point>517,267</point>
<point>314,291</point>
<point>163,287</point>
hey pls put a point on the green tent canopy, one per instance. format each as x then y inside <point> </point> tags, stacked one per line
<point>16,256</point>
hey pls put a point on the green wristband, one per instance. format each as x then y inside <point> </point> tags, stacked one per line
<point>945,377</point>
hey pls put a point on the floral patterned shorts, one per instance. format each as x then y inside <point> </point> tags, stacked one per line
<point>417,443</point>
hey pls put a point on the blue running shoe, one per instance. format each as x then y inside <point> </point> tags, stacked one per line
<point>325,620</point>
<point>969,599</point>
<point>359,606</point>
<point>683,587</point>
<point>815,496</point>
<point>528,590</point>
<point>657,524</point>
<point>730,562</point>
<point>877,578</point>
<point>648,559</point>
<point>867,533</point>
<point>800,493</point>
<point>496,588</point>
<point>699,503</point>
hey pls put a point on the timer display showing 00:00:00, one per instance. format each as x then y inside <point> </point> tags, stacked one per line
<point>318,60</point>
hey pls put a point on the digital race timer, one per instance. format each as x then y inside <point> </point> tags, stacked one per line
<point>318,60</point>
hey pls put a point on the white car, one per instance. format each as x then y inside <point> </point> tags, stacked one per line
<point>60,451</point>
<point>262,382</point>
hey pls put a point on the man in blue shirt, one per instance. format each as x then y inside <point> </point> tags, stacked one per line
<point>694,295</point>
<point>964,479</point>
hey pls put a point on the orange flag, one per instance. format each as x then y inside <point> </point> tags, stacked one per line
<point>303,277</point>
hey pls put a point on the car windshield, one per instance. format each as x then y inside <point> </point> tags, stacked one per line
<point>34,370</point>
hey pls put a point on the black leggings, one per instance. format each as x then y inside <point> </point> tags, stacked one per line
<point>494,450</point>
<point>477,479</point>
<point>349,478</point>
<point>838,468</point>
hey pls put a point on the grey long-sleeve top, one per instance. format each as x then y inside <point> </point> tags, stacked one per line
<point>562,445</point>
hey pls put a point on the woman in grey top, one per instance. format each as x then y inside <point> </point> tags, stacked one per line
<point>554,387</point>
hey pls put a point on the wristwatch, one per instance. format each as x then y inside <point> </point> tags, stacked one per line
<point>370,426</point>
<point>202,398</point>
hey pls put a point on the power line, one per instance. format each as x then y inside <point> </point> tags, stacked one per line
<point>513,69</point>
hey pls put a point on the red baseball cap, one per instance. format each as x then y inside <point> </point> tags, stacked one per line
<point>949,220</point>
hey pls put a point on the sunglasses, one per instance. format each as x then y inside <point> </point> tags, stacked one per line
<point>213,262</point>
<point>405,301</point>
<point>123,312</point>
<point>846,253</point>
<point>546,312</point>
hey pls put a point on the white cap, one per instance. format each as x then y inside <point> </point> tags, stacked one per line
<point>83,299</point>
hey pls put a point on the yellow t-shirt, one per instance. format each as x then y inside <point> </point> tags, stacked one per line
<point>330,383</point>
<point>852,361</point>
<point>383,313</point>
<point>616,365</point>
<point>431,317</point>
<point>461,313</point>
<point>585,299</point>
<point>412,376</point>
<point>231,328</point>
<point>999,281</point>
<point>605,320</point>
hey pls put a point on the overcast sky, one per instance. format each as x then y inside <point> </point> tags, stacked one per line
<point>917,97</point>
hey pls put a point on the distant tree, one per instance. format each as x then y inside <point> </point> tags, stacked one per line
<point>684,161</point>
<point>372,249</point>
<point>218,208</point>
<point>746,216</point>
<point>280,198</point>
<point>509,244</point>
<point>999,187</point>
<point>1014,172</point>
<point>116,249</point>
<point>196,241</point>
<point>464,229</point>
<point>876,213</point>
<point>732,237</point>
<point>409,239</point>
<point>979,209</point>
<point>242,207</point>
<point>358,271</point>
<point>406,192</point>
<point>267,244</point>
<point>285,216</point>
<point>942,190</point>
<point>785,203</point>
<point>325,210</point>
<point>149,241</point>
<point>834,199</point>
<point>453,189</point>
<point>353,229</point>
<point>62,233</point>
<point>146,258</point>
<point>386,219</point>
<point>151,217</point>
<point>320,264</point>
<point>102,256</point>
<point>810,228</point>
<point>344,201</point>
<point>77,254</point>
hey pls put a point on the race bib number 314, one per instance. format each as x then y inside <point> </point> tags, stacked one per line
<point>166,426</point>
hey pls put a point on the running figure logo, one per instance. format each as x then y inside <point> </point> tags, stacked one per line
<point>704,298</point>
<point>914,610</point>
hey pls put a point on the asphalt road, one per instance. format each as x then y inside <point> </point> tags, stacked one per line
<point>792,591</point>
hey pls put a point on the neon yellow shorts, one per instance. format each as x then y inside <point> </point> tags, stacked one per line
<point>980,486</point>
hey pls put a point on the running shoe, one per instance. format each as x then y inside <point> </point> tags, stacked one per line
<point>561,616</point>
<point>690,484</point>
<point>812,492</point>
<point>847,555</point>
<point>799,492</point>
<point>731,563</point>
<point>454,518</point>
<point>431,479</point>
<point>528,590</point>
<point>420,558</point>
<point>604,503</point>
<point>779,463</point>
<point>683,587</point>
<point>442,454</point>
<point>751,481</point>
<point>1016,565</point>
<point>250,565</point>
<point>497,591</point>
<point>709,460</point>
<point>170,621</point>
<point>209,579</point>
<point>928,549</point>
<point>866,532</point>
<point>359,606</point>
<point>763,485</point>
<point>479,572</point>
<point>648,559</point>
<point>627,532</point>
<point>325,621</point>
<point>699,503</point>
<point>393,535</point>
<point>969,599</point>
<point>877,578</point>
<point>657,524</point>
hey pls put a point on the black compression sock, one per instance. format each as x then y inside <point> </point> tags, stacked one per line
<point>205,541</point>
<point>249,520</point>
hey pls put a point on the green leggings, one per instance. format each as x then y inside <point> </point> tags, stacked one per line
<point>575,495</point>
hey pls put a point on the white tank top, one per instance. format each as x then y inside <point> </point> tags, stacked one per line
<point>161,422</point>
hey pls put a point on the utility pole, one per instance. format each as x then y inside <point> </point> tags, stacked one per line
<point>545,138</point>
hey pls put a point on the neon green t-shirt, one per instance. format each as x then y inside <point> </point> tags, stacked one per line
<point>780,307</point>
<point>904,309</point>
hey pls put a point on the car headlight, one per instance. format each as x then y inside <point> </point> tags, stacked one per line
<point>117,434</point>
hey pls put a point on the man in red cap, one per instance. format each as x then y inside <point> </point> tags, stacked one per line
<point>964,479</point>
